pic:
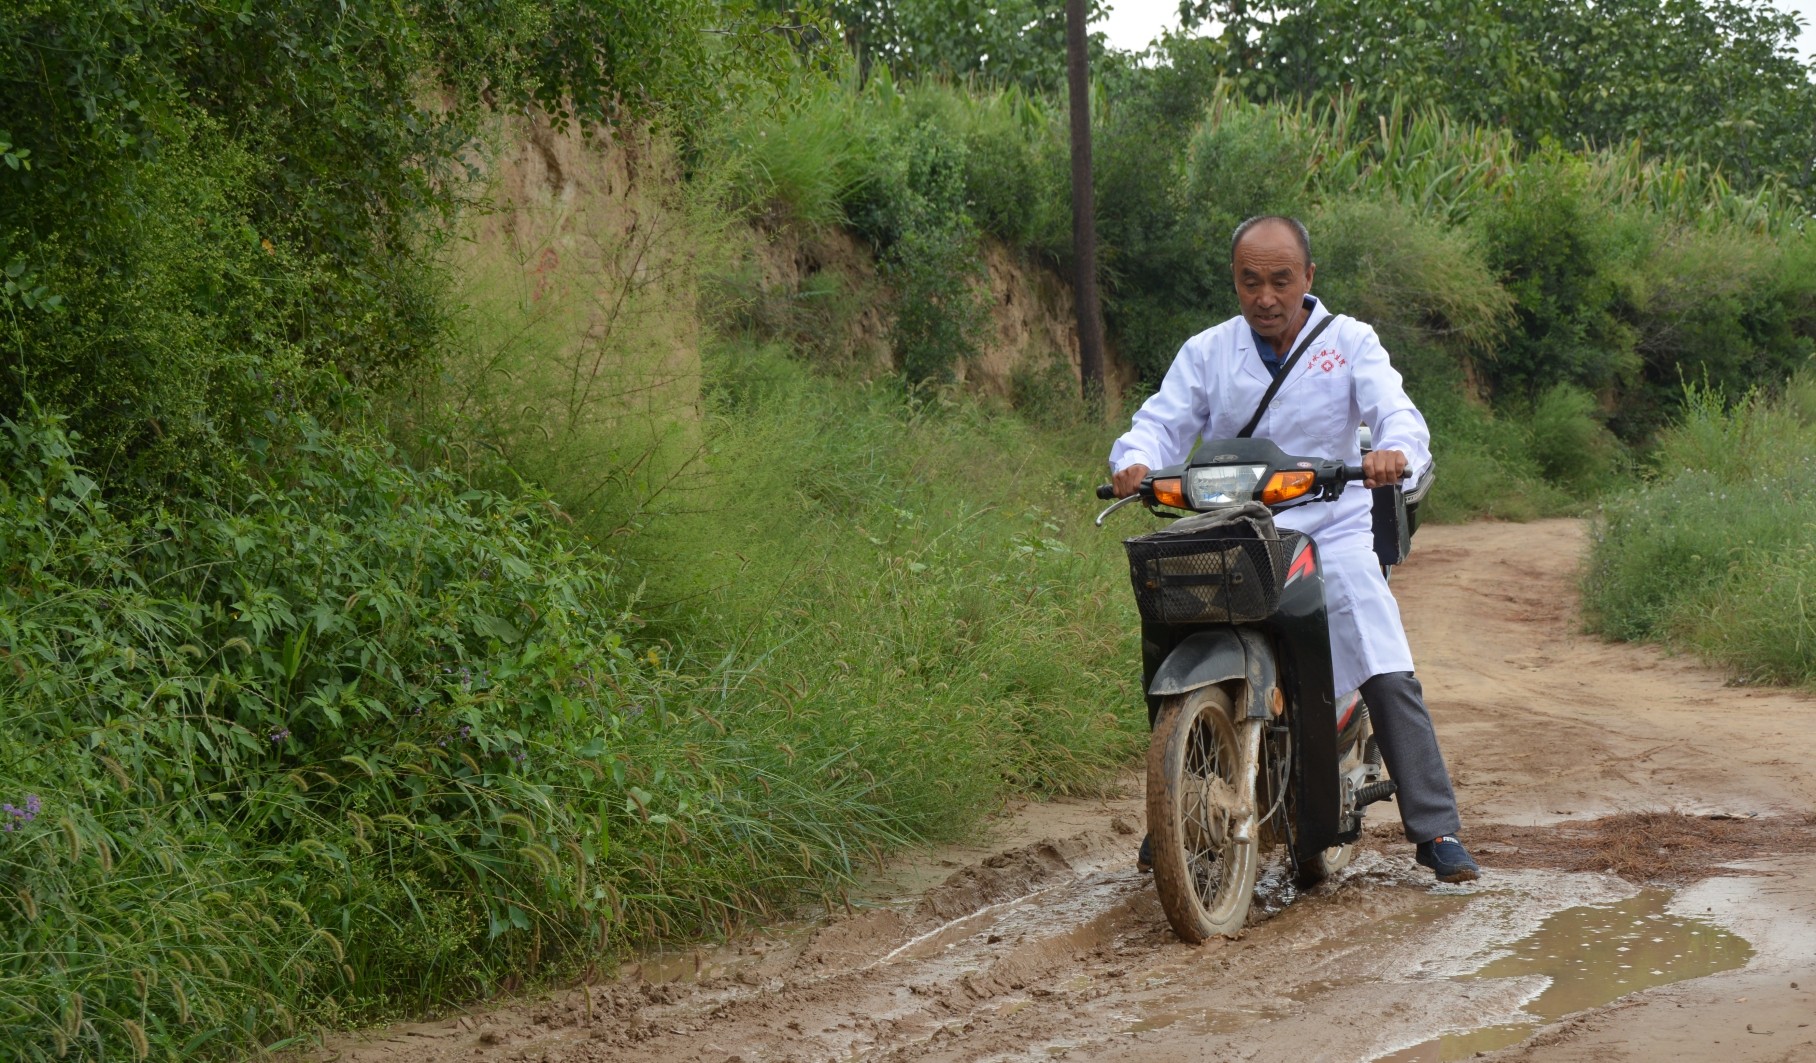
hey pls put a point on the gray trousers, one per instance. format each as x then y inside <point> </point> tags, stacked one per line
<point>1409,745</point>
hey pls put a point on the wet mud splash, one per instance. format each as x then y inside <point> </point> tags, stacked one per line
<point>1590,956</point>
<point>1650,846</point>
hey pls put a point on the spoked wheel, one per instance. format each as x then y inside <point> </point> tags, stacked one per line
<point>1363,750</point>
<point>1201,813</point>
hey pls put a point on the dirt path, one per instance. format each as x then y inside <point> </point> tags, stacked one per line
<point>1042,942</point>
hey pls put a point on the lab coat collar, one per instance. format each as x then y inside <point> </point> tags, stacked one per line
<point>1246,341</point>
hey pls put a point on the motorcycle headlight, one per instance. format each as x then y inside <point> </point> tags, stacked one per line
<point>1222,485</point>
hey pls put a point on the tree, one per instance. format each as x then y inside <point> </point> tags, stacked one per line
<point>1713,79</point>
<point>1007,42</point>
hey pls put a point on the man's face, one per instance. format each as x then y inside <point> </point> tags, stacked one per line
<point>1272,277</point>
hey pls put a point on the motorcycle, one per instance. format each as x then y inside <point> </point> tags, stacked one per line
<point>1251,748</point>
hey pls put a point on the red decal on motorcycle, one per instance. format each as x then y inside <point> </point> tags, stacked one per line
<point>1304,564</point>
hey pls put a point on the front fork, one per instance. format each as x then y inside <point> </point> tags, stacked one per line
<point>1248,771</point>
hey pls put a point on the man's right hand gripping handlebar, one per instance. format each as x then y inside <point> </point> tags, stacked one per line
<point>1124,483</point>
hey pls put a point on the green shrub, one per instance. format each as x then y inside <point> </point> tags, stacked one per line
<point>1018,182</point>
<point>913,208</point>
<point>1570,443</point>
<point>800,163</point>
<point>1568,260</point>
<point>210,203</point>
<point>1485,463</point>
<point>1410,277</point>
<point>1241,163</point>
<point>1713,555</point>
<point>339,736</point>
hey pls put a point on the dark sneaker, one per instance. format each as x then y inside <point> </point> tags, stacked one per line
<point>1448,860</point>
<point>1144,860</point>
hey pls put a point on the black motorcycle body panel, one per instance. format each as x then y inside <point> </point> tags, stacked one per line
<point>1218,655</point>
<point>1301,631</point>
<point>1291,649</point>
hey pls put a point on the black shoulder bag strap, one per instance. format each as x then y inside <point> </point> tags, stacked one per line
<point>1280,377</point>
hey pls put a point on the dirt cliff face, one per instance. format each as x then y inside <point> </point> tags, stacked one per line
<point>1035,328</point>
<point>594,275</point>
<point>1032,332</point>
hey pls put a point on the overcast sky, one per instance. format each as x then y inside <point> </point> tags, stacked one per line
<point>1131,24</point>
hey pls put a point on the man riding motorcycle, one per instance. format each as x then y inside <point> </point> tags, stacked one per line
<point>1342,380</point>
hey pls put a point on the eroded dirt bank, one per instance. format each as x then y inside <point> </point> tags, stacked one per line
<point>1042,942</point>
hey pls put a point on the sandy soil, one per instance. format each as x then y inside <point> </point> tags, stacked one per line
<point>1040,941</point>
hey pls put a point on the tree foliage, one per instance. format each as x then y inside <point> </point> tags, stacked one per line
<point>1019,42</point>
<point>1718,81</point>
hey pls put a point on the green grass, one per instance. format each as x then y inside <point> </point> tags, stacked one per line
<point>924,564</point>
<point>1713,553</point>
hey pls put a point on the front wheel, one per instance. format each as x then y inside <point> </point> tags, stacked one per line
<point>1202,765</point>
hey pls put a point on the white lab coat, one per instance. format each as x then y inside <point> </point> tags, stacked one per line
<point>1343,381</point>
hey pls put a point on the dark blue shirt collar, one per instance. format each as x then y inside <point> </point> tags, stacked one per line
<point>1277,362</point>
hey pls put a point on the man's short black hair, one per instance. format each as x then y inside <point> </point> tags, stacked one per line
<point>1298,227</point>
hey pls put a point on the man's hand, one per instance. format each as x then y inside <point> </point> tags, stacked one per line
<point>1381,467</point>
<point>1126,481</point>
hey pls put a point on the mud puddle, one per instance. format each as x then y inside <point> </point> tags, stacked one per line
<point>1410,973</point>
<point>1591,956</point>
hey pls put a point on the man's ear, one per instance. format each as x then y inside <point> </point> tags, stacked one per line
<point>1310,268</point>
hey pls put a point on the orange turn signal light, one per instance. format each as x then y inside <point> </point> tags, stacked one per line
<point>1286,486</point>
<point>1170,492</point>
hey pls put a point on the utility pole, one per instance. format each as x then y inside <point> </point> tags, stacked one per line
<point>1084,222</point>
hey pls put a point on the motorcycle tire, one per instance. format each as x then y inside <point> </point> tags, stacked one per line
<point>1337,857</point>
<point>1202,813</point>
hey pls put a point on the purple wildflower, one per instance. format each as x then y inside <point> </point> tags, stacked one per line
<point>18,815</point>
<point>280,735</point>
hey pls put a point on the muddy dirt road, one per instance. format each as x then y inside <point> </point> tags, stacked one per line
<point>1042,942</point>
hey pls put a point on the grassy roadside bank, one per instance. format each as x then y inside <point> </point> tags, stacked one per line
<point>1713,553</point>
<point>440,744</point>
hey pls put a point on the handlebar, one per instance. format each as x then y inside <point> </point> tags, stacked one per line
<point>1351,474</point>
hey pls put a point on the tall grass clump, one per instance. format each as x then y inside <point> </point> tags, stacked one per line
<point>1712,554</point>
<point>271,770</point>
<point>920,574</point>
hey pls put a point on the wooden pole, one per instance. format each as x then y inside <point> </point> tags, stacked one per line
<point>1084,224</point>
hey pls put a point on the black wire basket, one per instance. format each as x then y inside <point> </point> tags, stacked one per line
<point>1213,579</point>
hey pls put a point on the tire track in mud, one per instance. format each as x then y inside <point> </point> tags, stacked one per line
<point>1049,945</point>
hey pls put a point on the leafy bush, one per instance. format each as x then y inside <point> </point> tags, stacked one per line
<point>1568,261</point>
<point>1713,554</point>
<point>1410,277</point>
<point>1719,308</point>
<point>1571,444</point>
<point>1485,463</point>
<point>913,209</point>
<point>339,735</point>
<point>1018,183</point>
<point>799,162</point>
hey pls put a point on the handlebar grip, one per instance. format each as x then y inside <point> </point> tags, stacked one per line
<point>1106,491</point>
<point>1354,473</point>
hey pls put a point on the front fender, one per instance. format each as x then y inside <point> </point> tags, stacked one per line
<point>1218,656</point>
